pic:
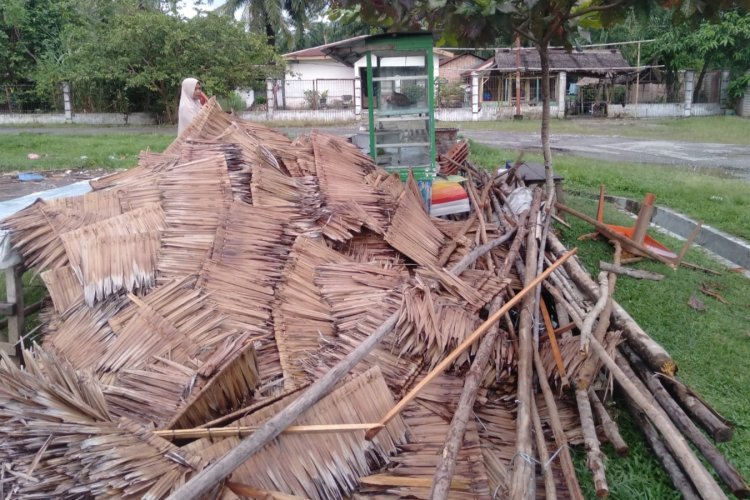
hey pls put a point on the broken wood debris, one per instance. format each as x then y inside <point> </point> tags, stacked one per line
<point>295,322</point>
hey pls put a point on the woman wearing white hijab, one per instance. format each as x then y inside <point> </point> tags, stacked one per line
<point>191,100</point>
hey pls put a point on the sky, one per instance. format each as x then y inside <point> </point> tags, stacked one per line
<point>187,7</point>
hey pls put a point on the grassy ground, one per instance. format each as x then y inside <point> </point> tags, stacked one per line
<point>720,202</point>
<point>719,129</point>
<point>710,348</point>
<point>71,151</point>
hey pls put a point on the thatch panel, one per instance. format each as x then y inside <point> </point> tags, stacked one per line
<point>238,163</point>
<point>118,253</point>
<point>196,195</point>
<point>302,318</point>
<point>325,465</point>
<point>412,232</point>
<point>64,288</point>
<point>207,124</point>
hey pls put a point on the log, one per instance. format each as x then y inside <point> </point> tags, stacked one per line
<point>633,273</point>
<point>653,353</point>
<point>662,453</point>
<point>703,481</point>
<point>594,456</point>
<point>721,465</point>
<point>719,428</point>
<point>627,244</point>
<point>608,425</point>
<point>550,488</point>
<point>463,346</point>
<point>522,480</point>
<point>561,441</point>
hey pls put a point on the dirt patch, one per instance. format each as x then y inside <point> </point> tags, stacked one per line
<point>12,187</point>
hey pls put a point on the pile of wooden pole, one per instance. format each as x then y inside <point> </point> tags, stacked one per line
<point>294,324</point>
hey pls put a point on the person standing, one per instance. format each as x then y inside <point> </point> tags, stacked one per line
<point>191,100</point>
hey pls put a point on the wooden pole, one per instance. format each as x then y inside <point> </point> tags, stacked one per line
<point>594,456</point>
<point>550,489</point>
<point>721,465</point>
<point>637,79</point>
<point>717,426</point>
<point>608,425</point>
<point>704,483</point>
<point>217,432</point>
<point>551,334</point>
<point>483,328</point>
<point>633,273</point>
<point>688,242</point>
<point>644,218</point>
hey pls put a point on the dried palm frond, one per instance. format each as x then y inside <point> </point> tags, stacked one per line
<point>301,318</point>
<point>238,163</point>
<point>35,233</point>
<point>279,145</point>
<point>361,297</point>
<point>207,124</point>
<point>303,148</point>
<point>414,466</point>
<point>570,350</point>
<point>72,447</point>
<point>324,465</point>
<point>63,287</point>
<point>369,247</point>
<point>248,257</point>
<point>118,253</point>
<point>341,170</point>
<point>412,232</point>
<point>342,222</point>
<point>196,195</point>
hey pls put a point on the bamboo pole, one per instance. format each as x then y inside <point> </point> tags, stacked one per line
<point>483,328</point>
<point>704,483</point>
<point>241,431</point>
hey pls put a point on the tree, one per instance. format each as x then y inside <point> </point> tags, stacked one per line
<point>139,52</point>
<point>541,22</point>
<point>282,21</point>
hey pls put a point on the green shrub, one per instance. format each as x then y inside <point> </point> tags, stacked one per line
<point>233,102</point>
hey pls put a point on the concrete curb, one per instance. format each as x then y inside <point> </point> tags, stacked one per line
<point>731,248</point>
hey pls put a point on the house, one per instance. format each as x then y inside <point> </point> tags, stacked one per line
<point>312,75</point>
<point>570,74</point>
<point>453,69</point>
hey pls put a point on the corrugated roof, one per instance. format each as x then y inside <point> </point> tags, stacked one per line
<point>560,60</point>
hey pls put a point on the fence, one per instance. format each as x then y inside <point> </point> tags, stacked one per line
<point>317,94</point>
<point>24,99</point>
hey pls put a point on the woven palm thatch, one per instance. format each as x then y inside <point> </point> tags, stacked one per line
<point>412,232</point>
<point>325,466</point>
<point>410,476</point>
<point>208,123</point>
<point>73,447</point>
<point>118,253</point>
<point>196,195</point>
<point>301,317</point>
<point>64,288</point>
<point>238,163</point>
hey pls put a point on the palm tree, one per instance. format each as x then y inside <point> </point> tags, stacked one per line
<point>283,21</point>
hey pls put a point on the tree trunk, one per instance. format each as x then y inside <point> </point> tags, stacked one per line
<point>724,469</point>
<point>549,185</point>
<point>699,83</point>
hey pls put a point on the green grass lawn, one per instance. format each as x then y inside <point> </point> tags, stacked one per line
<point>719,201</point>
<point>72,151</point>
<point>711,349</point>
<point>719,129</point>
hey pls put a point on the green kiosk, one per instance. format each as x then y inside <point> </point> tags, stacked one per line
<point>400,98</point>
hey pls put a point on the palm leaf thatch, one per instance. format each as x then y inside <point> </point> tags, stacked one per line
<point>301,317</point>
<point>325,466</point>
<point>210,122</point>
<point>64,288</point>
<point>118,253</point>
<point>63,443</point>
<point>238,163</point>
<point>196,195</point>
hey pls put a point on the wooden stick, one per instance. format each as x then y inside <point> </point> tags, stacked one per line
<point>593,315</point>
<point>523,477</point>
<point>591,442</point>
<point>413,482</point>
<point>656,356</point>
<point>627,244</point>
<point>550,489</point>
<point>216,432</point>
<point>633,273</point>
<point>721,465</point>
<point>678,478</point>
<point>704,483</point>
<point>471,257</point>
<point>483,328</point>
<point>251,408</point>
<point>608,425</point>
<point>451,247</point>
<point>690,265</point>
<point>560,221</point>
<point>478,203</point>
<point>454,440</point>
<point>688,242</point>
<point>719,428</point>
<point>644,218</point>
<point>561,441</point>
<point>246,491</point>
<point>553,344</point>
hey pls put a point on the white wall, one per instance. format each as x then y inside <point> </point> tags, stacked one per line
<point>79,118</point>
<point>317,69</point>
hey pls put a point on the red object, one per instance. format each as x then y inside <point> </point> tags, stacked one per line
<point>202,97</point>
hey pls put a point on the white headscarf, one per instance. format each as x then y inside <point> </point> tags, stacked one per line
<point>189,107</point>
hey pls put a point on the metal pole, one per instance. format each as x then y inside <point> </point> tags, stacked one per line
<point>637,79</point>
